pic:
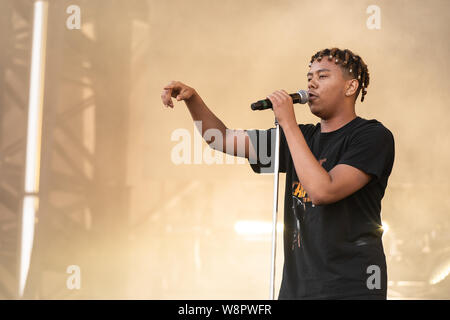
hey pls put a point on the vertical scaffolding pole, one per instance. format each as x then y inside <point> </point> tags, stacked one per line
<point>33,149</point>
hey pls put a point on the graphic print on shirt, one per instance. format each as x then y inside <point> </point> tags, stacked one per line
<point>300,200</point>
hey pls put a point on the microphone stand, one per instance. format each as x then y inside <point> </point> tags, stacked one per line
<point>302,97</point>
<point>275,209</point>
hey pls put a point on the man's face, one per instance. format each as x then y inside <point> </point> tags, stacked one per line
<point>326,87</point>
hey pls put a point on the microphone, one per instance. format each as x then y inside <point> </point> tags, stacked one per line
<point>300,96</point>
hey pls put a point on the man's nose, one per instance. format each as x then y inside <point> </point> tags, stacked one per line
<point>312,83</point>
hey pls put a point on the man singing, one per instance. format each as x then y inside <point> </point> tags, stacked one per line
<point>336,175</point>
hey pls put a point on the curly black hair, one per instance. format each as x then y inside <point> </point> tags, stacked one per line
<point>350,62</point>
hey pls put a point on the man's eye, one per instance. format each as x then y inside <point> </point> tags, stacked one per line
<point>322,76</point>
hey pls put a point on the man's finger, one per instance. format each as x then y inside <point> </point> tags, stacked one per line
<point>282,95</point>
<point>165,96</point>
<point>181,95</point>
<point>169,103</point>
<point>173,84</point>
<point>272,98</point>
<point>277,95</point>
<point>287,95</point>
<point>166,99</point>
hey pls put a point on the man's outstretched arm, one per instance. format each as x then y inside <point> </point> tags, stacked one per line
<point>233,142</point>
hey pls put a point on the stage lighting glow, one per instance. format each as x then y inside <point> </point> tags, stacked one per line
<point>385,227</point>
<point>441,273</point>
<point>33,152</point>
<point>30,204</point>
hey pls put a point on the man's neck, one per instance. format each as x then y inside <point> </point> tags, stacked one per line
<point>336,122</point>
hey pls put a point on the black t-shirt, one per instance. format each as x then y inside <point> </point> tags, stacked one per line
<point>330,250</point>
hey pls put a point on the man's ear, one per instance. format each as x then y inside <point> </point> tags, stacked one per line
<point>351,87</point>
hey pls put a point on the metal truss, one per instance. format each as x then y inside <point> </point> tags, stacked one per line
<point>15,40</point>
<point>83,213</point>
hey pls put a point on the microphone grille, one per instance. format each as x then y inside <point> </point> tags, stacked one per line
<point>303,96</point>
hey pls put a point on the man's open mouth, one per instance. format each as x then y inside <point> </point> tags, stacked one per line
<point>312,95</point>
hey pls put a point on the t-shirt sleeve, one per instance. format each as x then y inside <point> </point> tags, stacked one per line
<point>371,151</point>
<point>263,142</point>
